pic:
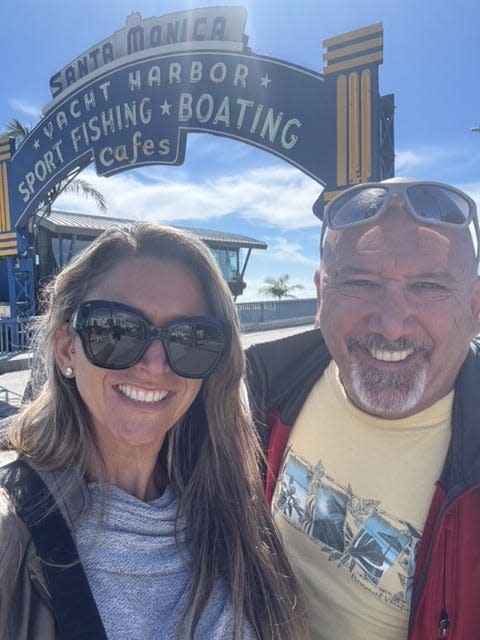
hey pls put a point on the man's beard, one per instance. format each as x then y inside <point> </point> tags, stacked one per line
<point>386,393</point>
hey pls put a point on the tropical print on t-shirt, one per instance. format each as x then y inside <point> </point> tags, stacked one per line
<point>377,550</point>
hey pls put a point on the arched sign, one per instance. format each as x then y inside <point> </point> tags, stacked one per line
<point>140,113</point>
<point>131,100</point>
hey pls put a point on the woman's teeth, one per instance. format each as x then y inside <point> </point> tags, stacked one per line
<point>141,395</point>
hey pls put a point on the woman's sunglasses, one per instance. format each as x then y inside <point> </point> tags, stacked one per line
<point>432,203</point>
<point>115,336</point>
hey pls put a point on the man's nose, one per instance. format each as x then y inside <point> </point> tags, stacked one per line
<point>392,316</point>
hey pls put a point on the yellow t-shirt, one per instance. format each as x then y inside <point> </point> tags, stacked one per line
<point>351,501</point>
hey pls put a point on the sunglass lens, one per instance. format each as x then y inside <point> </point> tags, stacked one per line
<point>439,204</point>
<point>114,338</point>
<point>194,347</point>
<point>356,207</point>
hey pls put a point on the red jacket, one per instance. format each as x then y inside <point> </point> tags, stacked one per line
<point>446,587</point>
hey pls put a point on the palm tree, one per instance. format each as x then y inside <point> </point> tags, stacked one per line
<point>71,183</point>
<point>279,288</point>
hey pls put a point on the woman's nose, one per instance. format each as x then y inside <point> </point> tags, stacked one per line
<point>155,357</point>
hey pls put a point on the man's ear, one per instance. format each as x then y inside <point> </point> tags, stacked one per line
<point>476,307</point>
<point>64,347</point>
<point>316,279</point>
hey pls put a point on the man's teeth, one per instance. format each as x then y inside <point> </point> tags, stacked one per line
<point>141,395</point>
<point>390,356</point>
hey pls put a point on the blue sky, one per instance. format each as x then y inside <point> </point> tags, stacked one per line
<point>431,64</point>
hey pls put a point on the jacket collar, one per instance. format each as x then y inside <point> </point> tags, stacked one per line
<point>462,464</point>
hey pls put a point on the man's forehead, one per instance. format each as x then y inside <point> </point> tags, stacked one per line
<point>410,238</point>
<point>401,236</point>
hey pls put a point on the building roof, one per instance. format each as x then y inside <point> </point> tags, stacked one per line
<point>67,223</point>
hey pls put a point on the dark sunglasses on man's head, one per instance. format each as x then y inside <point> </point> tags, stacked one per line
<point>115,336</point>
<point>432,203</point>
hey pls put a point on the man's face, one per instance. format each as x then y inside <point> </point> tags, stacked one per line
<point>399,304</point>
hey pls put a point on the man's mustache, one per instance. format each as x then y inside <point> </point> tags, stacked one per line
<point>376,341</point>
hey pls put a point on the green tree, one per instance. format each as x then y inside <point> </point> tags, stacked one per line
<point>71,183</point>
<point>279,288</point>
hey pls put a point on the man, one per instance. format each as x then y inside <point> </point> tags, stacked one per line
<point>372,423</point>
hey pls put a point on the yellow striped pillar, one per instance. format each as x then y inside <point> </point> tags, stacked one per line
<point>352,59</point>
<point>8,235</point>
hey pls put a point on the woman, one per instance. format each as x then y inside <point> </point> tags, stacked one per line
<point>141,433</point>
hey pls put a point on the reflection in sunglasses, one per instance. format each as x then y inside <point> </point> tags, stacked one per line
<point>115,336</point>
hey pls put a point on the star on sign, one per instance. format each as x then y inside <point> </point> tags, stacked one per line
<point>165,107</point>
<point>36,145</point>
<point>265,80</point>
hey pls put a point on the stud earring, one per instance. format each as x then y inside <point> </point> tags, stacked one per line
<point>68,372</point>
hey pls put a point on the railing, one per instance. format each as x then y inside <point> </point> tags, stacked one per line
<point>268,311</point>
<point>10,398</point>
<point>16,334</point>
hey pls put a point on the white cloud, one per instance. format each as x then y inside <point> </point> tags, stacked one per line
<point>25,109</point>
<point>449,163</point>
<point>408,163</point>
<point>281,250</point>
<point>280,197</point>
<point>405,161</point>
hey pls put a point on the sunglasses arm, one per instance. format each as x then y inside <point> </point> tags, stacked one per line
<point>319,207</point>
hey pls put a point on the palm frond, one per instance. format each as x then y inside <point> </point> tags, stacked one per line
<point>17,130</point>
<point>279,288</point>
<point>85,189</point>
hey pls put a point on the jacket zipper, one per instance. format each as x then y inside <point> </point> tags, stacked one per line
<point>443,625</point>
<point>444,621</point>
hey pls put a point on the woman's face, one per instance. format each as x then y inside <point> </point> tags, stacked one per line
<point>134,408</point>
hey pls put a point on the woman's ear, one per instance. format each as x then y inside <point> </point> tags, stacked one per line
<point>64,348</point>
